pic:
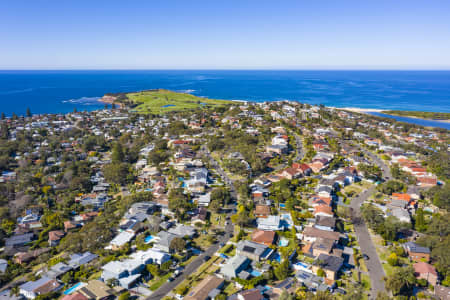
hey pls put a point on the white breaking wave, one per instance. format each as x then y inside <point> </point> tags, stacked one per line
<point>83,101</point>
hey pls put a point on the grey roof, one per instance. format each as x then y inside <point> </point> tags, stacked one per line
<point>324,189</point>
<point>165,238</point>
<point>325,221</point>
<point>78,259</point>
<point>30,286</point>
<point>233,265</point>
<point>58,269</point>
<point>310,280</point>
<point>19,239</point>
<point>251,247</point>
<point>3,265</point>
<point>329,262</point>
<point>182,230</point>
<point>142,207</point>
<point>413,247</point>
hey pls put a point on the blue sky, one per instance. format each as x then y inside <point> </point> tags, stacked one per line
<point>194,34</point>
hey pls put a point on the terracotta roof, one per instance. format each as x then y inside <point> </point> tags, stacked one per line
<point>400,196</point>
<point>321,200</point>
<point>262,210</point>
<point>47,287</point>
<point>202,290</point>
<point>323,209</point>
<point>75,296</point>
<point>253,294</point>
<point>55,235</point>
<point>263,237</point>
<point>423,268</point>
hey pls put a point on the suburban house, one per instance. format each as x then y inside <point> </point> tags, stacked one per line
<point>423,270</point>
<point>330,264</point>
<point>325,223</point>
<point>97,290</point>
<point>254,251</point>
<point>272,223</point>
<point>261,211</point>
<point>416,252</point>
<point>121,239</point>
<point>182,230</point>
<point>234,266</point>
<point>323,210</point>
<point>165,239</point>
<point>54,237</point>
<point>44,285</point>
<point>263,237</point>
<point>310,234</point>
<point>208,288</point>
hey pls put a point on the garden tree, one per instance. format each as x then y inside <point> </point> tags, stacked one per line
<point>221,195</point>
<point>158,156</point>
<point>179,202</point>
<point>124,296</point>
<point>52,220</point>
<point>439,163</point>
<point>354,291</point>
<point>286,296</point>
<point>392,259</point>
<point>438,240</point>
<point>420,224</point>
<point>386,227</point>
<point>319,295</point>
<point>242,189</point>
<point>241,218</point>
<point>117,155</point>
<point>28,112</point>
<point>370,171</point>
<point>215,206</point>
<point>383,296</point>
<point>440,195</point>
<point>401,281</point>
<point>153,269</point>
<point>281,271</point>
<point>391,186</point>
<point>117,173</point>
<point>153,223</point>
<point>177,244</point>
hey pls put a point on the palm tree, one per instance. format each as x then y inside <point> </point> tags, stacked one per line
<point>401,280</point>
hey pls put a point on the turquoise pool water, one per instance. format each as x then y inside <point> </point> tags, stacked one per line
<point>72,289</point>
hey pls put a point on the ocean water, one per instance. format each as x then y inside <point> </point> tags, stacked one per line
<point>62,91</point>
<point>426,123</point>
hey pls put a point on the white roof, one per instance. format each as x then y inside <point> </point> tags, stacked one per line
<point>144,256</point>
<point>122,238</point>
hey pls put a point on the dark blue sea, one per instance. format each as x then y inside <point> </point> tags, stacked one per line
<point>62,91</point>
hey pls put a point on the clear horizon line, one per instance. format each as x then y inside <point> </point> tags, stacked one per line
<point>226,69</point>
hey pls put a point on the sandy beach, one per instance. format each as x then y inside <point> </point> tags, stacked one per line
<point>360,110</point>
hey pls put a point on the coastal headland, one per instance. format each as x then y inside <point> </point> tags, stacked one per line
<point>160,101</point>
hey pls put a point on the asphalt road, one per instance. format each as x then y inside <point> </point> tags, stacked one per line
<point>374,266</point>
<point>192,267</point>
<point>166,288</point>
<point>299,143</point>
<point>379,162</point>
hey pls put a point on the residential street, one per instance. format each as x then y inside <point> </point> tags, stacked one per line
<point>195,264</point>
<point>374,266</point>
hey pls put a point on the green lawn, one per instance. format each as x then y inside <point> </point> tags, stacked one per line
<point>155,283</point>
<point>161,101</point>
